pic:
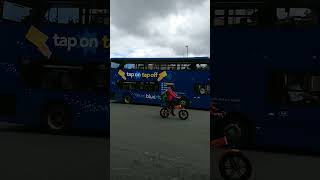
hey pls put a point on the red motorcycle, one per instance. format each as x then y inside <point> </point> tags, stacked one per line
<point>233,165</point>
<point>166,109</point>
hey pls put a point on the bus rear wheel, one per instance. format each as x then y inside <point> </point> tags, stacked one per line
<point>57,120</point>
<point>127,99</point>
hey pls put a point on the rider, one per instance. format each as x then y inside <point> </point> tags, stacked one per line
<point>172,98</point>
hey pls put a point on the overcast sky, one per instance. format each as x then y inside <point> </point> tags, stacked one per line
<point>153,28</point>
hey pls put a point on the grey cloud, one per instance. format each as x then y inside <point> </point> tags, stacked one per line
<point>143,19</point>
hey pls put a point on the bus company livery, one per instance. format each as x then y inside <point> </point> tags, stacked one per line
<point>142,80</point>
<point>55,71</point>
<point>267,74</point>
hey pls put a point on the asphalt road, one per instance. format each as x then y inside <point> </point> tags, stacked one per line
<point>275,165</point>
<point>147,147</point>
<point>27,154</point>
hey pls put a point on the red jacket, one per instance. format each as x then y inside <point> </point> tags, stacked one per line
<point>171,95</point>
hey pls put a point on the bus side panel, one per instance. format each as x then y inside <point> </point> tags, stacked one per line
<point>184,82</point>
<point>91,108</point>
<point>237,75</point>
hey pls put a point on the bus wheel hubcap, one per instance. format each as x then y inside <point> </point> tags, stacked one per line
<point>127,99</point>
<point>56,121</point>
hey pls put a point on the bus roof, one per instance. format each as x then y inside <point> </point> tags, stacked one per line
<point>200,60</point>
<point>65,3</point>
<point>259,3</point>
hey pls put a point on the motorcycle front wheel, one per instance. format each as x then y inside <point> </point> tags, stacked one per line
<point>235,166</point>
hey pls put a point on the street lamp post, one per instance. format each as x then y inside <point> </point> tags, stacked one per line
<point>187,50</point>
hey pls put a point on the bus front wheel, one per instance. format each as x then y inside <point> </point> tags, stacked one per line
<point>56,120</point>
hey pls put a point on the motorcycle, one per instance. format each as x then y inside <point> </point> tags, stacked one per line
<point>165,111</point>
<point>233,165</point>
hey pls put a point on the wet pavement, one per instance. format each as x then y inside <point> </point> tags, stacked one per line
<point>275,165</point>
<point>25,153</point>
<point>147,147</point>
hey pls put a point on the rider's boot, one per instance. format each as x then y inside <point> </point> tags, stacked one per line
<point>172,112</point>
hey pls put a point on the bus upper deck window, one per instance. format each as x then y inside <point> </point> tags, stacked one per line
<point>163,67</point>
<point>21,12</point>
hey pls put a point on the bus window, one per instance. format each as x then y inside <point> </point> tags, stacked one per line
<point>172,67</point>
<point>152,67</point>
<point>178,67</point>
<point>277,88</point>
<point>219,18</point>
<point>192,67</point>
<point>140,66</point>
<point>20,12</point>
<point>119,84</point>
<point>100,79</point>
<point>268,16</point>
<point>234,17</point>
<point>202,89</point>
<point>62,77</point>
<point>295,16</point>
<point>185,66</point>
<point>156,66</point>
<point>315,83</point>
<point>129,85</point>
<point>295,88</point>
<point>8,104</point>
<point>139,85</point>
<point>99,16</point>
<point>31,72</point>
<point>202,67</point>
<point>163,67</point>
<point>126,66</point>
<point>151,86</point>
<point>63,15</point>
<point>142,86</point>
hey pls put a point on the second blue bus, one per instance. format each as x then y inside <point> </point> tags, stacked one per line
<point>142,80</point>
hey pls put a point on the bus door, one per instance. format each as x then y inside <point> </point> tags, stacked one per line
<point>201,98</point>
<point>291,115</point>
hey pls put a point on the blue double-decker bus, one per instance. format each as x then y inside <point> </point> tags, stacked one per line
<point>54,64</point>
<point>266,73</point>
<point>142,80</point>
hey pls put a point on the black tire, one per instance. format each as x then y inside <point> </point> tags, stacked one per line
<point>56,120</point>
<point>164,112</point>
<point>127,99</point>
<point>183,114</point>
<point>235,163</point>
